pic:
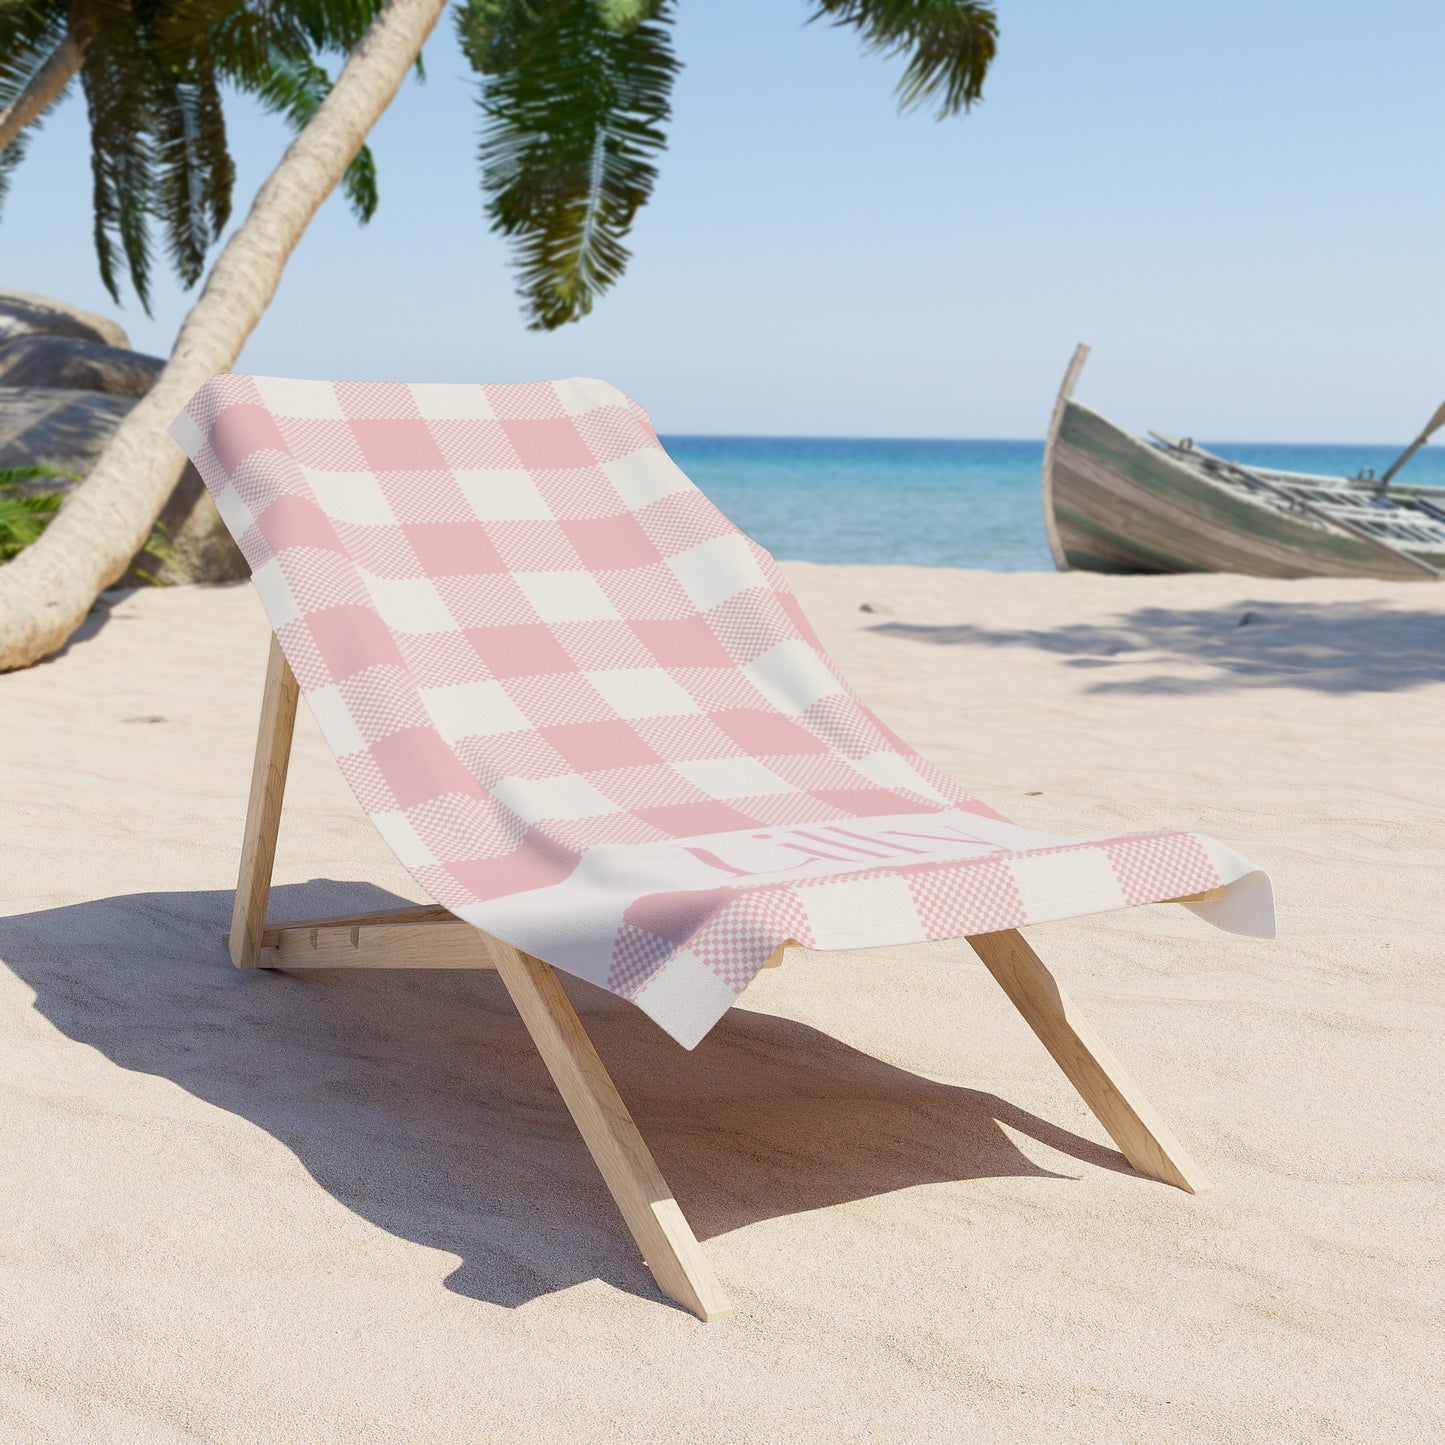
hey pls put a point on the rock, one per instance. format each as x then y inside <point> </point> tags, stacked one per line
<point>69,362</point>
<point>881,608</point>
<point>23,313</point>
<point>69,429</point>
<point>58,426</point>
<point>67,377</point>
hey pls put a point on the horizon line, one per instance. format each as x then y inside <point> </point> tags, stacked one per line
<point>997,441</point>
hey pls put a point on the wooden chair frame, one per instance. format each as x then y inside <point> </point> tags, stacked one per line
<point>428,936</point>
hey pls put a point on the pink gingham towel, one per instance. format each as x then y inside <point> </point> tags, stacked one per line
<point>587,713</point>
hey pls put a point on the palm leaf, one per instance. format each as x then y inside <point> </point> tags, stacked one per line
<point>574,93</point>
<point>23,515</point>
<point>11,477</point>
<point>950,45</point>
<point>116,73</point>
<point>269,51</point>
<point>194,170</point>
<point>29,35</point>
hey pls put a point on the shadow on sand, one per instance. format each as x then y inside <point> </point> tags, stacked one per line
<point>1321,647</point>
<point>416,1099</point>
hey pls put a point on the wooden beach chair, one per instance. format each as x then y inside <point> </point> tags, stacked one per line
<point>589,717</point>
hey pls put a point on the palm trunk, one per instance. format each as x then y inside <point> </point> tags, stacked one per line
<point>47,590</point>
<point>45,86</point>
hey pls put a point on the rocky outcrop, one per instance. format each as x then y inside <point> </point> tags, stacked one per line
<point>57,426</point>
<point>22,313</point>
<point>67,361</point>
<point>67,377</point>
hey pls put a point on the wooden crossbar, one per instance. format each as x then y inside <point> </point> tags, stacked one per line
<point>429,936</point>
<point>426,936</point>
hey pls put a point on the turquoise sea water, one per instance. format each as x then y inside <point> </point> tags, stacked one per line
<point>933,503</point>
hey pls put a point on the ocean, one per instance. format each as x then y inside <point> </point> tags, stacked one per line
<point>933,503</point>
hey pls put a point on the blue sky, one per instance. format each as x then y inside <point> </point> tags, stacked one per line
<point>1239,205</point>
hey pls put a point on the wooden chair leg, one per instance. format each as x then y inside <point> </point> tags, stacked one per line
<point>1142,1136</point>
<point>662,1233</point>
<point>263,811</point>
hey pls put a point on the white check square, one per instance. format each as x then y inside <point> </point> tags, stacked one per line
<point>645,476</point>
<point>408,604</point>
<point>717,569</point>
<point>187,435</point>
<point>792,677</point>
<point>1054,885</point>
<point>565,798</point>
<point>402,839</point>
<point>313,400</point>
<point>579,394</point>
<point>566,596</point>
<point>351,497</point>
<point>643,692</point>
<point>892,770</point>
<point>334,719</point>
<point>503,495</point>
<point>473,709</point>
<point>234,512</point>
<point>275,594</point>
<point>441,402</point>
<point>733,778</point>
<point>860,912</point>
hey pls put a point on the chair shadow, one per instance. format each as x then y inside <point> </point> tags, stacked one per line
<point>1320,647</point>
<point>416,1099</point>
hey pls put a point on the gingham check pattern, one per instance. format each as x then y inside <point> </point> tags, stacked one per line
<point>587,713</point>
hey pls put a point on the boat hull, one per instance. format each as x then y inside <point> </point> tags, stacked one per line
<point>1116,504</point>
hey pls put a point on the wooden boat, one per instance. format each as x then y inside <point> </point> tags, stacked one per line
<point>1116,503</point>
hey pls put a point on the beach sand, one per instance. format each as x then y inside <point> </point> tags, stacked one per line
<point>259,1208</point>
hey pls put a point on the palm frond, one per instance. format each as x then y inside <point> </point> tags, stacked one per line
<point>23,515</point>
<point>11,477</point>
<point>194,170</point>
<point>950,45</point>
<point>574,101</point>
<point>269,50</point>
<point>10,158</point>
<point>29,36</point>
<point>116,75</point>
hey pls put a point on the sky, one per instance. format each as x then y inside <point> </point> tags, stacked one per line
<point>1239,205</point>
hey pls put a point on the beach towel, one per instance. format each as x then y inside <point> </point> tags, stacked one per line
<point>587,713</point>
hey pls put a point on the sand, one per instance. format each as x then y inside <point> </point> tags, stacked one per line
<point>259,1208</point>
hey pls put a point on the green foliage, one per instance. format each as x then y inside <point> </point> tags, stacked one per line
<point>24,515</point>
<point>152,74</point>
<point>270,51</point>
<point>11,477</point>
<point>949,43</point>
<point>28,37</point>
<point>575,95</point>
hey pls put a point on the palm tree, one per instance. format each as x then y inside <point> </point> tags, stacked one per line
<point>575,93</point>
<point>152,76</point>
